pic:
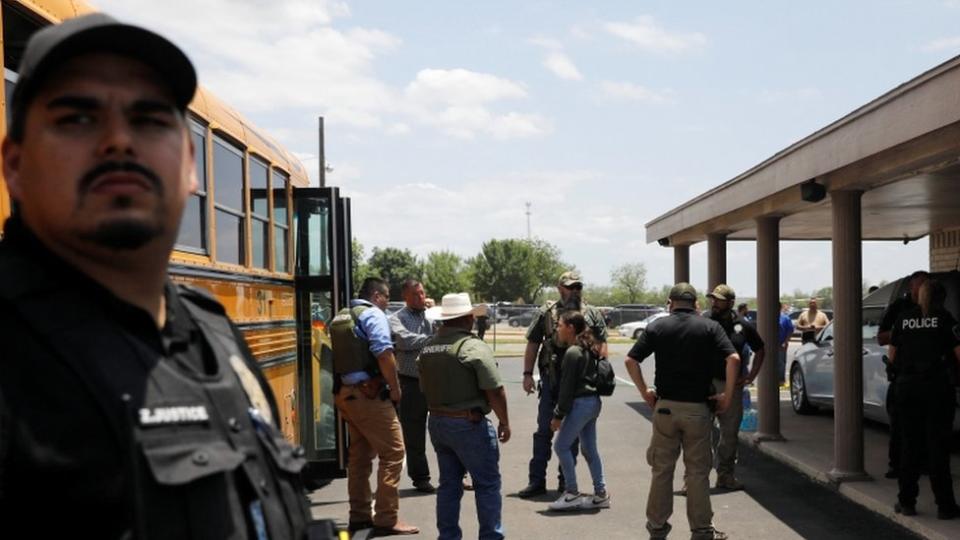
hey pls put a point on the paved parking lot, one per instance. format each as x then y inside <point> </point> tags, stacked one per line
<point>778,502</point>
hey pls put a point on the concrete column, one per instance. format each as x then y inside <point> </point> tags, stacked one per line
<point>681,264</point>
<point>716,260</point>
<point>768,323</point>
<point>847,338</point>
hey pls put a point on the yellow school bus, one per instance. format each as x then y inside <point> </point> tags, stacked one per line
<point>274,251</point>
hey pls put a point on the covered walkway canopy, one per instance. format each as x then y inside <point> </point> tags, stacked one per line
<point>889,170</point>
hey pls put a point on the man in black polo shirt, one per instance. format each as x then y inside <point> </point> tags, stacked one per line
<point>687,348</point>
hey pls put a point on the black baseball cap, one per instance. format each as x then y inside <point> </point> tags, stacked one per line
<point>683,291</point>
<point>53,45</point>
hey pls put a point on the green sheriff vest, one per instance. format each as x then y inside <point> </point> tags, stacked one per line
<point>446,382</point>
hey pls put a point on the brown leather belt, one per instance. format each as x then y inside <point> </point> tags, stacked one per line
<point>472,416</point>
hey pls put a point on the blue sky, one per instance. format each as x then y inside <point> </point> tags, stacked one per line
<point>445,117</point>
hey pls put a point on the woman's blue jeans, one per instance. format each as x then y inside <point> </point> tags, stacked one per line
<point>582,423</point>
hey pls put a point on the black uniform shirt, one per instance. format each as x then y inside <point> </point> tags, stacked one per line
<point>923,343</point>
<point>740,331</point>
<point>687,349</point>
<point>893,312</point>
<point>64,422</point>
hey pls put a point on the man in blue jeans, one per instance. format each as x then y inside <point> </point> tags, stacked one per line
<point>461,382</point>
<point>544,348</point>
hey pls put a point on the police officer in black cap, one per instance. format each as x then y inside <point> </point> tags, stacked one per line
<point>129,407</point>
<point>924,344</point>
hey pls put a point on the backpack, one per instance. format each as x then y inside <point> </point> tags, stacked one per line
<point>600,375</point>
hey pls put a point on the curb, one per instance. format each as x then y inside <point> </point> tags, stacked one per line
<point>846,489</point>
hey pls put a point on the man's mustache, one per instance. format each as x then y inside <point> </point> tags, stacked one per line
<point>119,166</point>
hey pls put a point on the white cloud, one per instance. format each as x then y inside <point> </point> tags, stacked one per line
<point>649,36</point>
<point>579,32</point>
<point>807,93</point>
<point>562,66</point>
<point>547,43</point>
<point>482,207</point>
<point>300,58</point>
<point>557,61</point>
<point>459,101</point>
<point>461,86</point>
<point>636,92</point>
<point>943,44</point>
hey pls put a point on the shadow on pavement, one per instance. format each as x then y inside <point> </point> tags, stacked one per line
<point>568,513</point>
<point>810,509</point>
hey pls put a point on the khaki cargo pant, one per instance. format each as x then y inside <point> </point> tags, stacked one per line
<point>374,433</point>
<point>680,426</point>
<point>725,438</point>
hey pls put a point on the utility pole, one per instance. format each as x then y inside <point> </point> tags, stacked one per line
<point>529,236</point>
<point>322,159</point>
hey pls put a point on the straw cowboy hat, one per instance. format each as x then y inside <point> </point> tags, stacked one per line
<point>455,305</point>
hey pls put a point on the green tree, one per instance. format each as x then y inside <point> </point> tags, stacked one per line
<point>444,272</point>
<point>514,269</point>
<point>825,295</point>
<point>631,280</point>
<point>360,268</point>
<point>395,265</point>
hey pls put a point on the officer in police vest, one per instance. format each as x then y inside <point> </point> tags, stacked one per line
<point>460,380</point>
<point>545,349</point>
<point>924,346</point>
<point>130,407</point>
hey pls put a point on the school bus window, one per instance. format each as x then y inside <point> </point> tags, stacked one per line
<point>228,199</point>
<point>9,80</point>
<point>260,212</point>
<point>280,224</point>
<point>193,226</point>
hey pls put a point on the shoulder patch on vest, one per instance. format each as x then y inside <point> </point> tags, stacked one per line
<point>251,387</point>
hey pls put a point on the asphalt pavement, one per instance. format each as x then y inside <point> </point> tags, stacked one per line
<point>778,503</point>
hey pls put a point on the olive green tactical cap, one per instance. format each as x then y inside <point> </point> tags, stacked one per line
<point>569,278</point>
<point>723,292</point>
<point>683,291</point>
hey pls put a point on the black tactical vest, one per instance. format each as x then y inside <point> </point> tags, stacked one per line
<point>197,458</point>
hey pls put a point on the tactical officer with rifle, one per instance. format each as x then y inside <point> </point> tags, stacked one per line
<point>545,348</point>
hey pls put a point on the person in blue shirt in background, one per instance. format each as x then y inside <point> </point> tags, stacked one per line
<point>786,330</point>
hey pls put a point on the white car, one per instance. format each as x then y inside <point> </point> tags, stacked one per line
<point>634,329</point>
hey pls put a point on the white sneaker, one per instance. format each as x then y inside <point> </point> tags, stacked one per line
<point>599,500</point>
<point>567,501</point>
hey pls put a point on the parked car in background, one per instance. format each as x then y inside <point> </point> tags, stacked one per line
<point>522,319</point>
<point>811,369</point>
<point>393,307</point>
<point>635,328</point>
<point>625,313</point>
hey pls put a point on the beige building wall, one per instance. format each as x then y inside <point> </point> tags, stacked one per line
<point>945,250</point>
